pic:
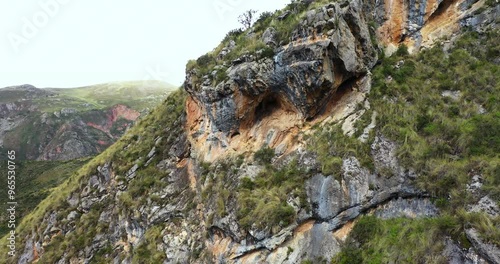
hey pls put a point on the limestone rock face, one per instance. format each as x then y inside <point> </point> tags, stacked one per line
<point>486,250</point>
<point>329,49</point>
<point>300,79</point>
<point>422,23</point>
<point>269,36</point>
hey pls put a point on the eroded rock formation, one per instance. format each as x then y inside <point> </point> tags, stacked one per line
<point>423,23</point>
<point>263,98</point>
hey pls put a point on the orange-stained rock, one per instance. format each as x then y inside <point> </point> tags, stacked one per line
<point>421,24</point>
<point>396,17</point>
<point>266,102</point>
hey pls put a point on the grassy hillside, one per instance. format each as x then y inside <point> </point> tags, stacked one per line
<point>135,94</point>
<point>41,130</point>
<point>446,139</point>
<point>35,180</point>
<point>139,140</point>
<point>46,119</point>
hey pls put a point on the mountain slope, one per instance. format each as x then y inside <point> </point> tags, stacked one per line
<point>62,124</point>
<point>300,141</point>
<point>36,180</point>
<point>135,94</point>
<point>50,125</point>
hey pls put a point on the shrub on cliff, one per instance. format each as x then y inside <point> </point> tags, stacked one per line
<point>264,155</point>
<point>263,202</point>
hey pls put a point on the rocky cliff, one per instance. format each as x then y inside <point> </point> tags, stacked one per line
<point>264,97</point>
<point>330,48</point>
<point>299,141</point>
<point>424,23</point>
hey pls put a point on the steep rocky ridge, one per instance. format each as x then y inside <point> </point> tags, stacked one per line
<point>252,166</point>
<point>330,48</point>
<point>294,85</point>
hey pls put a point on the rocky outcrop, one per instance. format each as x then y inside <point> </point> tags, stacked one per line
<point>422,23</point>
<point>486,250</point>
<point>293,86</point>
<point>456,255</point>
<point>330,48</point>
<point>262,101</point>
<point>336,202</point>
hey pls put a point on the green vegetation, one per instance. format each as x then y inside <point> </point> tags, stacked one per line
<point>260,202</point>
<point>147,179</point>
<point>332,146</point>
<point>444,139</point>
<point>443,111</point>
<point>147,251</point>
<point>264,155</point>
<point>126,152</point>
<point>135,94</point>
<point>249,41</point>
<point>404,240</point>
<point>150,128</point>
<point>36,179</point>
<point>263,202</point>
<point>399,240</point>
<point>491,3</point>
<point>120,126</point>
<point>219,180</point>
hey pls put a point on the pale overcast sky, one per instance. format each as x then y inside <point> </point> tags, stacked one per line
<point>70,43</point>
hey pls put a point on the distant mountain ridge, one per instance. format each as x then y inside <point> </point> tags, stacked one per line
<point>55,130</point>
<point>64,124</point>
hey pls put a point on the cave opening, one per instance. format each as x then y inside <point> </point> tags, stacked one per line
<point>270,104</point>
<point>441,9</point>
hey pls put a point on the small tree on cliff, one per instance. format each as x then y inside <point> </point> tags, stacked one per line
<point>246,19</point>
